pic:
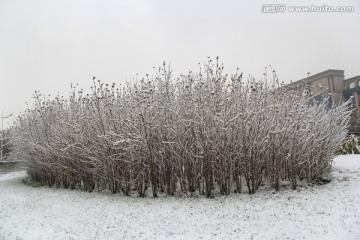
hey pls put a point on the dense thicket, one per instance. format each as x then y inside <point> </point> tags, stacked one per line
<point>202,133</point>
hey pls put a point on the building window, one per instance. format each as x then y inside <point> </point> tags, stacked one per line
<point>352,85</point>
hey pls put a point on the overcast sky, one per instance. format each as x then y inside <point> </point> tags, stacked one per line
<point>47,44</point>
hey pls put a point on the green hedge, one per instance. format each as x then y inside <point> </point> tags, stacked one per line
<point>349,146</point>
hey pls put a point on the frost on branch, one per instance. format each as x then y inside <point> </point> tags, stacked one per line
<point>201,133</point>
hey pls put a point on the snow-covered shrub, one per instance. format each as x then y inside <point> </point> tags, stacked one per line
<point>202,133</point>
<point>349,146</point>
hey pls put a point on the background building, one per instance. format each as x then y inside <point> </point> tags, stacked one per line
<point>333,83</point>
<point>352,88</point>
<point>321,84</point>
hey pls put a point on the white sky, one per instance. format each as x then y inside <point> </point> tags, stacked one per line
<point>47,44</point>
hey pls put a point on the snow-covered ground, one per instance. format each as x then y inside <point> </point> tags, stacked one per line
<point>330,211</point>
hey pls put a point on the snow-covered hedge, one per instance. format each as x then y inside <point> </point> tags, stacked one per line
<point>350,146</point>
<point>204,132</point>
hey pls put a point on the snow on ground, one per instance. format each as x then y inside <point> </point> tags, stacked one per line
<point>331,211</point>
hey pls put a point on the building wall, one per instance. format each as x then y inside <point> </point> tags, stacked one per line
<point>338,82</point>
<point>352,89</point>
<point>354,80</point>
<point>330,81</point>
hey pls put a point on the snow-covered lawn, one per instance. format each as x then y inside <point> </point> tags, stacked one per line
<point>330,211</point>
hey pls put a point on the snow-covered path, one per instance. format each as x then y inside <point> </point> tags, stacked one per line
<point>330,211</point>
